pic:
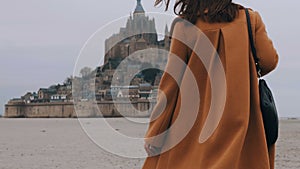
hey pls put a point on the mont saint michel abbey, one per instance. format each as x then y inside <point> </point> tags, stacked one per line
<point>138,34</point>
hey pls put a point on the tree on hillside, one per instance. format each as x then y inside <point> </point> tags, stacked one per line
<point>149,73</point>
<point>85,72</point>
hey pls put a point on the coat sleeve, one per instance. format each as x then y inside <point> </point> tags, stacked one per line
<point>265,50</point>
<point>168,92</point>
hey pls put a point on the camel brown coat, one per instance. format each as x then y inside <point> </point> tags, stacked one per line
<point>239,140</point>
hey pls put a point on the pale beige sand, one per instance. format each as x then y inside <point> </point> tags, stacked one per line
<point>288,147</point>
<point>62,144</point>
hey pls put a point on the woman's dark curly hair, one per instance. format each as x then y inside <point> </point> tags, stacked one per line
<point>208,10</point>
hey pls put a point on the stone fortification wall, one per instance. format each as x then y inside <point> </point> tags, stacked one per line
<point>83,109</point>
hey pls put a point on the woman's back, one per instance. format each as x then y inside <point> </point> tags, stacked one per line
<point>238,141</point>
<point>233,36</point>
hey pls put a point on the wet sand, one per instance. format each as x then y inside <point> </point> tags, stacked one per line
<point>62,144</point>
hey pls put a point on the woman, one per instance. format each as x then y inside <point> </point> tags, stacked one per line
<point>239,140</point>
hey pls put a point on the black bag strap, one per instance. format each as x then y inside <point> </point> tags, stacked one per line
<point>252,44</point>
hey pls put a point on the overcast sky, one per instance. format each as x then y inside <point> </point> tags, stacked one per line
<point>40,41</point>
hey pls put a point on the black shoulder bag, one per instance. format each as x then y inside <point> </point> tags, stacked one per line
<point>267,103</point>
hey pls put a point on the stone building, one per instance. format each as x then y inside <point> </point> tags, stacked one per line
<point>44,94</point>
<point>138,34</point>
<point>145,91</point>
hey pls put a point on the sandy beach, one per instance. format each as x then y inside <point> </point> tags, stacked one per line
<point>63,144</point>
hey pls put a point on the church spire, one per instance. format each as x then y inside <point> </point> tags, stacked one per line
<point>139,8</point>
